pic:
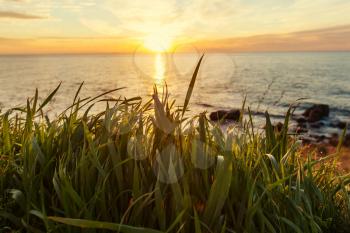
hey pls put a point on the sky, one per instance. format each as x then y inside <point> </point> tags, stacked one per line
<point>121,26</point>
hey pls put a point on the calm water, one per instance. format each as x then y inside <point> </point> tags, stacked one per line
<point>271,81</point>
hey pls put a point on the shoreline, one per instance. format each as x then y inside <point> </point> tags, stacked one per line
<point>308,127</point>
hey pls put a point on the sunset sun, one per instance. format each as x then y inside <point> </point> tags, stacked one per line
<point>157,43</point>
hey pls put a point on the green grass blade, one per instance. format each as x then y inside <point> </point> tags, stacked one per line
<point>82,223</point>
<point>191,86</point>
<point>49,98</point>
<point>197,222</point>
<point>219,190</point>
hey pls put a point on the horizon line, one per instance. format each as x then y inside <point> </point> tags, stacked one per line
<point>154,53</point>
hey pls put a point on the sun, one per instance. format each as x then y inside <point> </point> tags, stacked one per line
<point>157,43</point>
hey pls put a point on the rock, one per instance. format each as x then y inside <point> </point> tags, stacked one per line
<point>301,120</point>
<point>321,138</point>
<point>334,139</point>
<point>301,130</point>
<point>307,140</point>
<point>302,124</point>
<point>341,125</point>
<point>347,140</point>
<point>316,112</point>
<point>205,105</point>
<point>316,115</point>
<point>232,115</point>
<point>316,125</point>
<point>322,150</point>
<point>338,124</point>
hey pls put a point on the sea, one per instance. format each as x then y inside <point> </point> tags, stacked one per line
<point>268,81</point>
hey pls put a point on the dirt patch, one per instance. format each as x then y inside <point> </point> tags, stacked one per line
<point>322,150</point>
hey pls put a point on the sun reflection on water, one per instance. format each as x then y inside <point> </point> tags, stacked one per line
<point>159,69</point>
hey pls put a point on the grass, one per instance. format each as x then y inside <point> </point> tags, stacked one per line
<point>146,167</point>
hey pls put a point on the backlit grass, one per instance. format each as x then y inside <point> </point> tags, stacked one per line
<point>144,167</point>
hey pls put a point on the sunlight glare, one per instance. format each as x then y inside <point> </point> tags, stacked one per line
<point>157,43</point>
<point>159,67</point>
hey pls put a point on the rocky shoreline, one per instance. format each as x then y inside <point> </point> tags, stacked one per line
<point>307,125</point>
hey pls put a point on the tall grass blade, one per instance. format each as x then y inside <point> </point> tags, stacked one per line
<point>191,86</point>
<point>49,97</point>
<point>102,225</point>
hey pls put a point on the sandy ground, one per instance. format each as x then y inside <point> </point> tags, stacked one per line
<point>322,150</point>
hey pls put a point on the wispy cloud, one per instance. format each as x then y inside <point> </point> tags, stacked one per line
<point>18,15</point>
<point>325,39</point>
<point>213,19</point>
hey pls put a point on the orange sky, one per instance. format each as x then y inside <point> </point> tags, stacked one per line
<point>106,26</point>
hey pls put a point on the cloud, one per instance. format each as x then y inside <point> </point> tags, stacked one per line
<point>325,39</point>
<point>17,15</point>
<point>177,19</point>
<point>5,39</point>
<point>214,19</point>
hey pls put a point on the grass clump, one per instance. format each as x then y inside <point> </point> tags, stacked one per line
<point>144,167</point>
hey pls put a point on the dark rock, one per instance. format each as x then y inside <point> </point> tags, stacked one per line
<point>334,139</point>
<point>316,115</point>
<point>347,140</point>
<point>256,113</point>
<point>307,140</point>
<point>316,125</point>
<point>338,124</point>
<point>321,138</point>
<point>205,105</point>
<point>232,115</point>
<point>301,120</point>
<point>316,112</point>
<point>302,127</point>
<point>302,124</point>
<point>322,150</point>
<point>341,125</point>
<point>301,130</point>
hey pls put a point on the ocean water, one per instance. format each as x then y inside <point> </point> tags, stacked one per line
<point>270,81</point>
